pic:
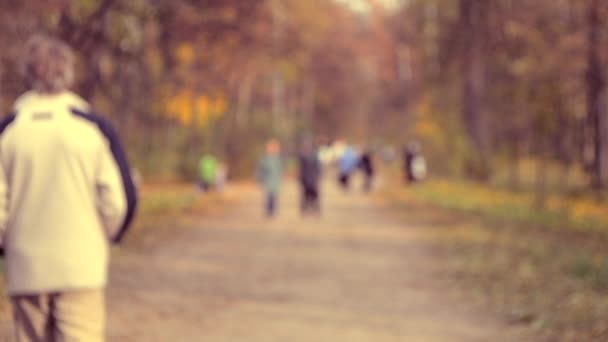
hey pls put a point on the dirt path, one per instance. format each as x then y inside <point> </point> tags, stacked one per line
<point>356,274</point>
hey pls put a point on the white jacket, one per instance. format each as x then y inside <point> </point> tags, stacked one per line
<point>65,192</point>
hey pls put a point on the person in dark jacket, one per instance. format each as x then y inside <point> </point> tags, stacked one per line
<point>309,175</point>
<point>409,152</point>
<point>366,165</point>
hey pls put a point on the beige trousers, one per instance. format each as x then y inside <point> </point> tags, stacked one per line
<point>71,316</point>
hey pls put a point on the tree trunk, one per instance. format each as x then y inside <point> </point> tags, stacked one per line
<point>278,102</point>
<point>472,16</point>
<point>244,94</point>
<point>514,163</point>
<point>540,193</point>
<point>595,88</point>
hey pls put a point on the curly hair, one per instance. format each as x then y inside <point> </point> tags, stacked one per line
<point>48,64</point>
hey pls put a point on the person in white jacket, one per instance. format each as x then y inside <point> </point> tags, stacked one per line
<point>65,194</point>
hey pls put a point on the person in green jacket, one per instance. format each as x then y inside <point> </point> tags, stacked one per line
<point>269,174</point>
<point>207,168</point>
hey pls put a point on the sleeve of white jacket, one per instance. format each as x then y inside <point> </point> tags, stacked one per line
<point>116,192</point>
<point>3,206</point>
<point>4,187</point>
<point>111,197</point>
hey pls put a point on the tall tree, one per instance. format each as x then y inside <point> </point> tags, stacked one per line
<point>595,88</point>
<point>473,14</point>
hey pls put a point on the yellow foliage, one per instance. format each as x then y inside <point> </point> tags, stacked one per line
<point>81,9</point>
<point>586,209</point>
<point>185,53</point>
<point>180,107</point>
<point>582,212</point>
<point>202,105</point>
<point>220,106</point>
<point>188,109</point>
<point>427,129</point>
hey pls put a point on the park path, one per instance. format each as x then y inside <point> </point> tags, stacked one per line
<point>358,273</point>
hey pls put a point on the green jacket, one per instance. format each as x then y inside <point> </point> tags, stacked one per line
<point>270,172</point>
<point>207,167</point>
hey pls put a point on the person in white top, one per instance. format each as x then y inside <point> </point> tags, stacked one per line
<point>66,193</point>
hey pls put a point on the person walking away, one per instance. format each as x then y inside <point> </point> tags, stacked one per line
<point>207,172</point>
<point>414,163</point>
<point>309,175</point>
<point>65,193</point>
<point>269,174</point>
<point>366,165</point>
<point>347,163</point>
<point>409,152</point>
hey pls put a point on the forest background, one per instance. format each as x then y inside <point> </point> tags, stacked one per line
<point>504,92</point>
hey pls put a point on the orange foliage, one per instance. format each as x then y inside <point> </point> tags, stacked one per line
<point>190,109</point>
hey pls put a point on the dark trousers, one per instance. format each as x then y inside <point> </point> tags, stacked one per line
<point>344,180</point>
<point>310,199</point>
<point>271,203</point>
<point>204,185</point>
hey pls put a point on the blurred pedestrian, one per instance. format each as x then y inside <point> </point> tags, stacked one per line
<point>415,168</point>
<point>269,174</point>
<point>367,166</point>
<point>325,155</point>
<point>309,176</point>
<point>347,163</point>
<point>207,168</point>
<point>65,193</point>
